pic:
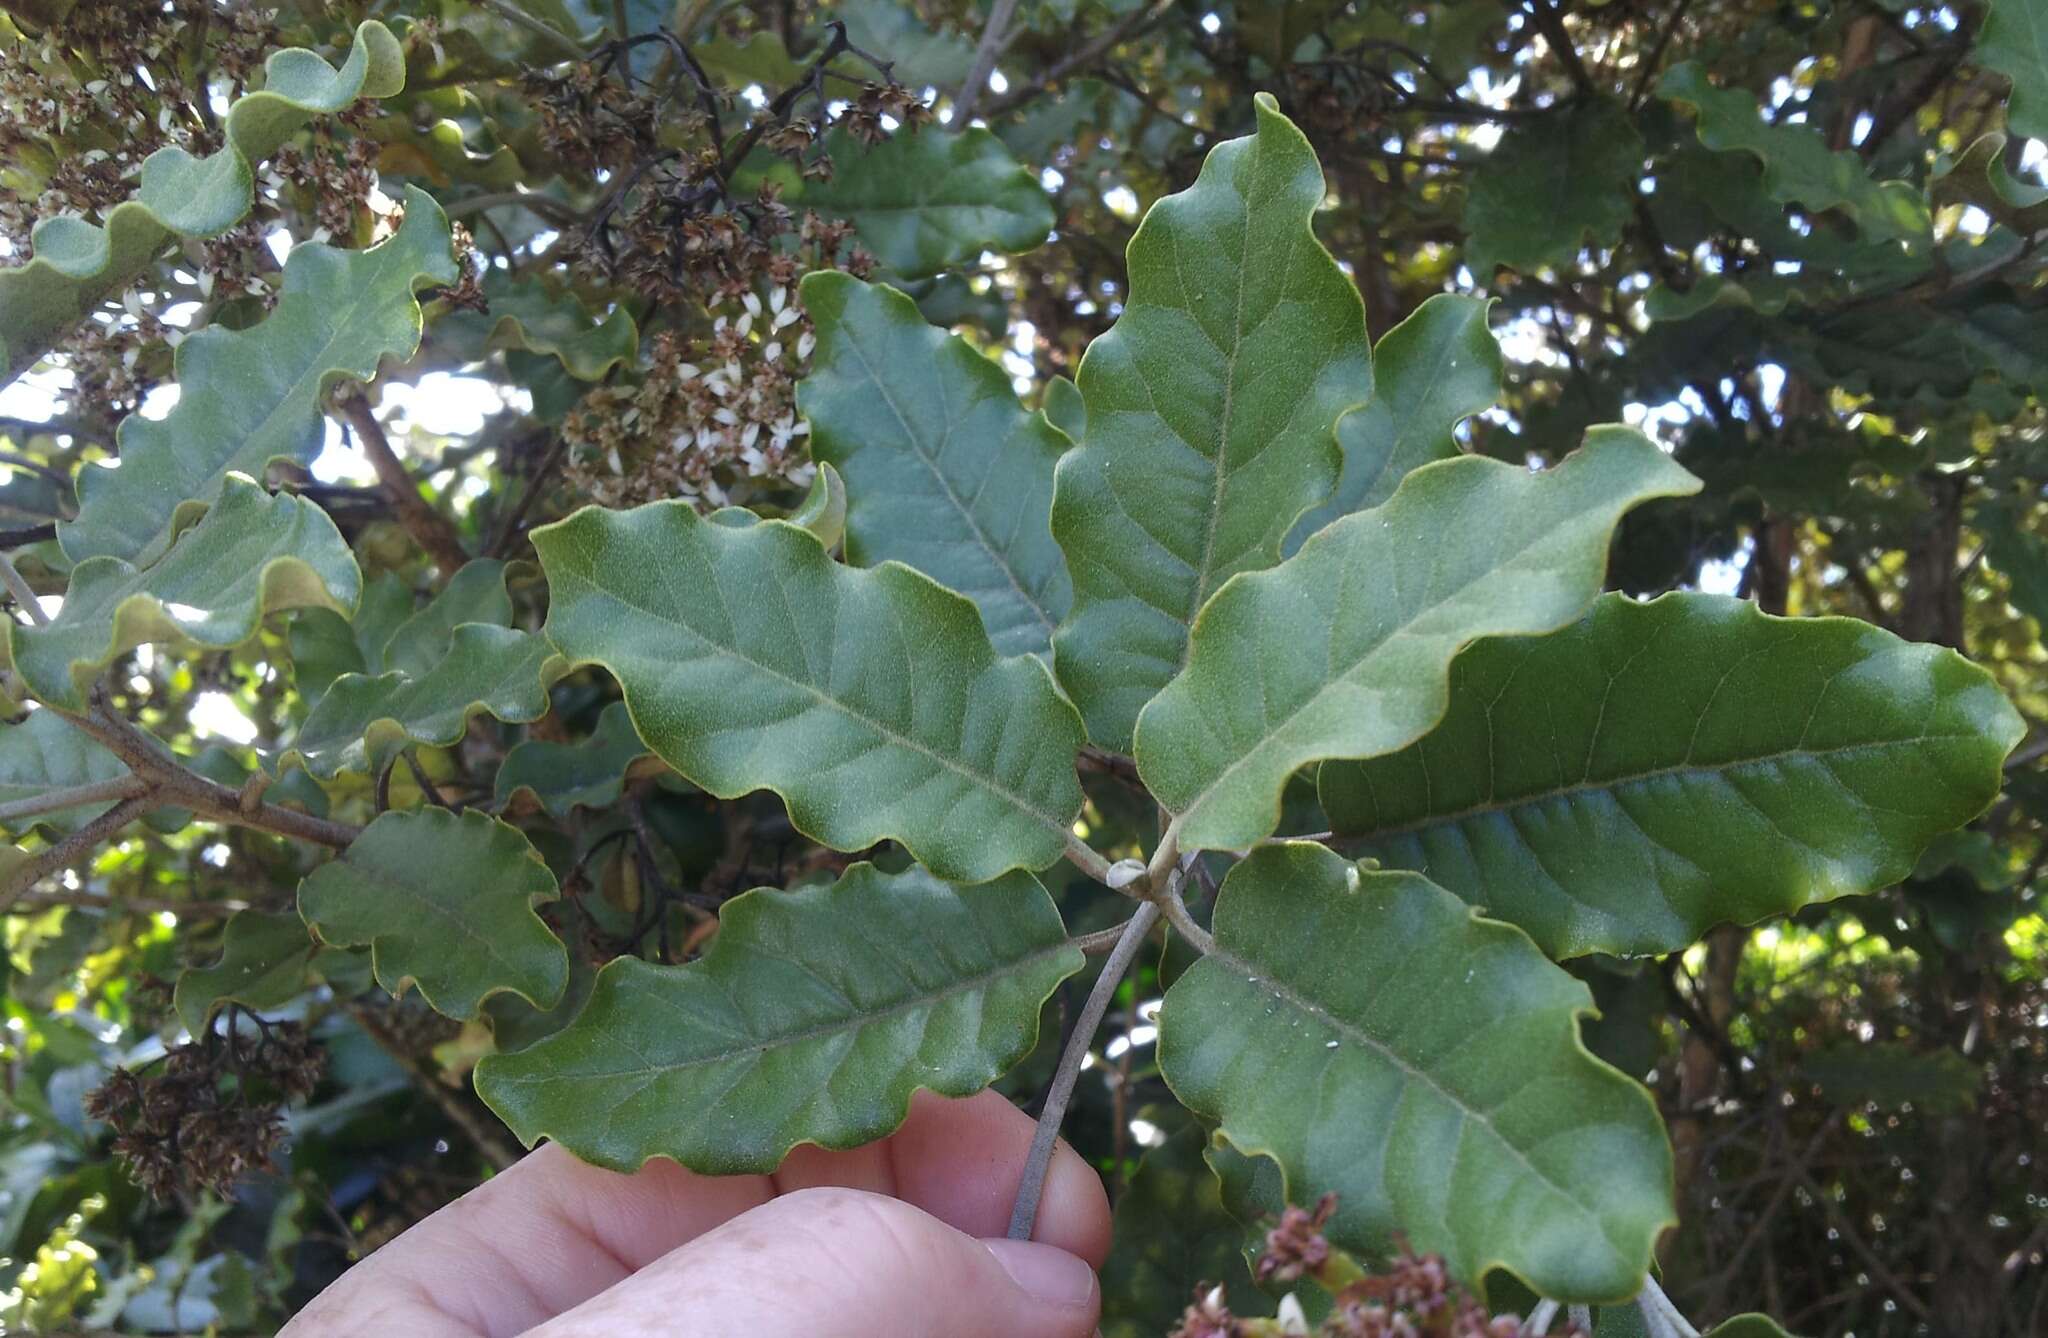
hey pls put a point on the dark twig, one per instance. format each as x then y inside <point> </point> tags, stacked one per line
<point>432,531</point>
<point>70,850</point>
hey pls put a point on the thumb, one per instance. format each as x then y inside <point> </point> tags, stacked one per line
<point>843,1263</point>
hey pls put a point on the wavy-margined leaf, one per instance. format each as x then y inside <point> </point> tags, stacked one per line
<point>362,721</point>
<point>252,554</point>
<point>1381,1042</point>
<point>1430,373</point>
<point>931,200</point>
<point>1979,177</point>
<point>446,902</point>
<point>946,472</point>
<point>1064,409</point>
<point>1799,167</point>
<point>561,776</point>
<point>1657,769</point>
<point>1212,408</point>
<point>1344,650</point>
<point>419,644</point>
<point>1173,1235</point>
<point>248,397</point>
<point>264,960</point>
<point>77,265</point>
<point>2014,42</point>
<point>1550,184</point>
<point>869,699</point>
<point>813,1018</point>
<point>45,753</point>
<point>526,314</point>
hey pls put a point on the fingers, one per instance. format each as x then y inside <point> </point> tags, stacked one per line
<point>845,1263</point>
<point>552,1232</point>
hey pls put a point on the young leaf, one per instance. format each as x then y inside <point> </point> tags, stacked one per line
<point>1660,768</point>
<point>1380,1041</point>
<point>77,266</point>
<point>813,1017</point>
<point>1551,183</point>
<point>253,554</point>
<point>823,511</point>
<point>361,722</point>
<point>946,472</point>
<point>563,775</point>
<point>1344,649</point>
<point>870,700</point>
<point>2015,43</point>
<point>1432,371</point>
<point>248,397</point>
<point>45,753</point>
<point>1799,167</point>
<point>1212,408</point>
<point>444,901</point>
<point>932,200</point>
<point>263,964</point>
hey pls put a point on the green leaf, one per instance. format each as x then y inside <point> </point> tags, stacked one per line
<point>77,266</point>
<point>2014,42</point>
<point>1064,409</point>
<point>253,554</point>
<point>917,55</point>
<point>444,901</point>
<point>1552,183</point>
<point>1173,1235</point>
<point>249,397</point>
<point>1433,370</point>
<point>526,314</point>
<point>931,200</point>
<point>47,752</point>
<point>813,1017</point>
<point>1979,177</point>
<point>870,700</point>
<point>946,472</point>
<point>1892,1076</point>
<point>1381,1042</point>
<point>2020,555</point>
<point>263,963</point>
<point>419,645</point>
<point>1799,167</point>
<point>1660,768</point>
<point>1212,408</point>
<point>361,723</point>
<point>561,776</point>
<point>1345,649</point>
<point>1626,1321</point>
<point>823,512</point>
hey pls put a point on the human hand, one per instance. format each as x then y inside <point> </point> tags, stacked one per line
<point>898,1239</point>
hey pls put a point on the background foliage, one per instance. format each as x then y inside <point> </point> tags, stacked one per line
<point>1797,243</point>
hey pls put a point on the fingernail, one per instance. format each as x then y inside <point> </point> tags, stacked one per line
<point>1048,1273</point>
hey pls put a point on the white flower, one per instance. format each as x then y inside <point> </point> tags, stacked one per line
<point>773,351</point>
<point>804,344</point>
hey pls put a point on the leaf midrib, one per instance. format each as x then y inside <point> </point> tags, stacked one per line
<point>1589,786</point>
<point>1287,994</point>
<point>985,782</point>
<point>650,1070</point>
<point>946,486</point>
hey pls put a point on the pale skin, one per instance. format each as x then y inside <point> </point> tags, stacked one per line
<point>898,1239</point>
